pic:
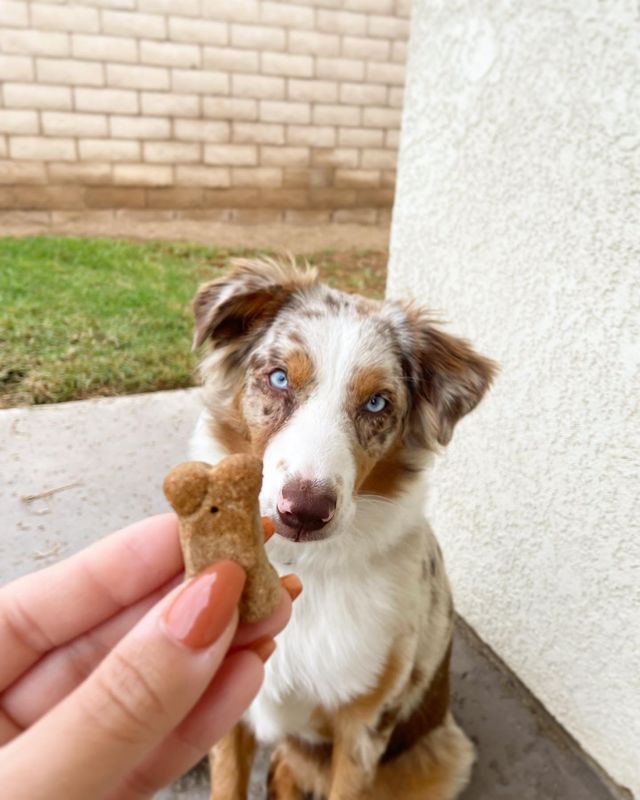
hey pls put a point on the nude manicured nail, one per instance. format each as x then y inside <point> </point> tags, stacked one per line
<point>292,584</point>
<point>268,528</point>
<point>263,648</point>
<point>204,608</point>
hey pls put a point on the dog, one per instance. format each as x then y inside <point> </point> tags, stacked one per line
<point>346,400</point>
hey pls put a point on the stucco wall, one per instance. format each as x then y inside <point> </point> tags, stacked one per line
<point>252,109</point>
<point>518,217</point>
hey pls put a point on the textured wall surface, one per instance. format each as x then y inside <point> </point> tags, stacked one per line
<point>218,104</point>
<point>517,217</point>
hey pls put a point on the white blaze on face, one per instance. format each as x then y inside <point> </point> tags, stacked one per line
<point>317,442</point>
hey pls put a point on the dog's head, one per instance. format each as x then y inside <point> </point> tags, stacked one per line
<point>342,397</point>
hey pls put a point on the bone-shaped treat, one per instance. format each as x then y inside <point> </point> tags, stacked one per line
<point>219,518</point>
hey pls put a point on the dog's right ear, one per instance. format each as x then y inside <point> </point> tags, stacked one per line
<point>245,301</point>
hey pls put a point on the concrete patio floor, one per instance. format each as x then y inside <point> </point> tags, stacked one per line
<point>73,472</point>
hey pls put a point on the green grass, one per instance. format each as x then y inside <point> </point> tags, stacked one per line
<point>92,317</point>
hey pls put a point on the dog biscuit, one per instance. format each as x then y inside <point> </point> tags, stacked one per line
<point>219,518</point>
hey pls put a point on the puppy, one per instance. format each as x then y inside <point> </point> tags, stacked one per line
<point>345,400</point>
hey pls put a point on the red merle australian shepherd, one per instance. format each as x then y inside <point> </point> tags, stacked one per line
<point>345,399</point>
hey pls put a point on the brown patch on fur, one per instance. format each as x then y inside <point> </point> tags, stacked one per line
<point>437,768</point>
<point>366,705</point>
<point>237,435</point>
<point>386,477</point>
<point>416,677</point>
<point>309,770</point>
<point>295,337</point>
<point>374,431</point>
<point>349,775</point>
<point>233,306</point>
<point>446,372</point>
<point>240,317</point>
<point>364,464</point>
<point>260,439</point>
<point>322,722</point>
<point>281,783</point>
<point>386,721</point>
<point>318,752</point>
<point>428,716</point>
<point>299,369</point>
<point>366,382</point>
<point>231,430</point>
<point>231,761</point>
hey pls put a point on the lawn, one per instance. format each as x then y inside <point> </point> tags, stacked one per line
<point>93,317</point>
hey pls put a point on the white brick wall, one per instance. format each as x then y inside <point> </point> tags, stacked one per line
<point>217,103</point>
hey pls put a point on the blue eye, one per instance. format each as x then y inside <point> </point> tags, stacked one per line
<point>376,403</point>
<point>278,379</point>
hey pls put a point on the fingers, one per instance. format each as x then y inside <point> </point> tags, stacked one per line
<point>268,528</point>
<point>61,671</point>
<point>218,710</point>
<point>137,695</point>
<point>48,608</point>
<point>292,585</point>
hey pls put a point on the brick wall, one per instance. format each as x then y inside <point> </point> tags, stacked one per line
<point>246,108</point>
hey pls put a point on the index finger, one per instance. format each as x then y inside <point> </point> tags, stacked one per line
<point>48,608</point>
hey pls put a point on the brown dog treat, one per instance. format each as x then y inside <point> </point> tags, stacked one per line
<point>219,518</point>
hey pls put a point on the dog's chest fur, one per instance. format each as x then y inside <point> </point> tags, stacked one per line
<point>334,648</point>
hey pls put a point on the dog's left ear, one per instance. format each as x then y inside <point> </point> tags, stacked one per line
<point>245,300</point>
<point>446,372</point>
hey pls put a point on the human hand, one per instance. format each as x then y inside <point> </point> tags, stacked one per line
<point>114,680</point>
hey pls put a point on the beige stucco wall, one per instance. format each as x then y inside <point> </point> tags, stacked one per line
<point>518,217</point>
<point>255,110</point>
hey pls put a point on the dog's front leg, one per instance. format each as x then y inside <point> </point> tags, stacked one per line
<point>231,761</point>
<point>357,748</point>
<point>363,727</point>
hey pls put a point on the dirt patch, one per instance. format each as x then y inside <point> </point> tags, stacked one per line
<point>279,237</point>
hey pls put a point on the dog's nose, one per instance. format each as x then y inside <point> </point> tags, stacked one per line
<point>306,506</point>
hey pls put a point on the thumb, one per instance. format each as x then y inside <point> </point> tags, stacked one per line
<point>137,695</point>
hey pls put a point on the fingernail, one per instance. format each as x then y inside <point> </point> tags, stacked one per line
<point>204,608</point>
<point>263,648</point>
<point>268,528</point>
<point>292,584</point>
